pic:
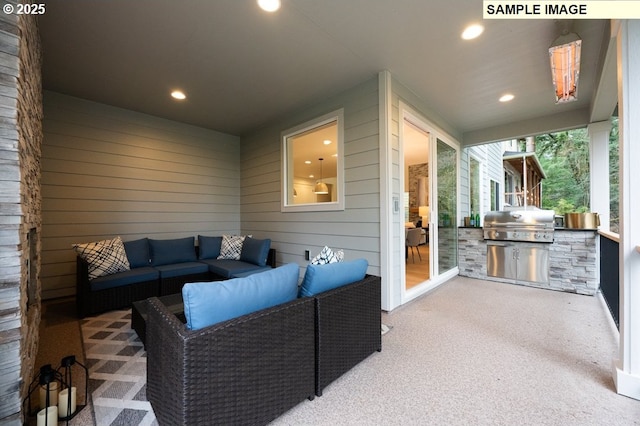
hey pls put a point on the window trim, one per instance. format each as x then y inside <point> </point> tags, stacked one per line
<point>287,169</point>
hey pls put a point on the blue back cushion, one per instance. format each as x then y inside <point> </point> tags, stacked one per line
<point>320,278</point>
<point>166,252</point>
<point>209,247</point>
<point>255,251</point>
<point>138,252</point>
<point>209,303</point>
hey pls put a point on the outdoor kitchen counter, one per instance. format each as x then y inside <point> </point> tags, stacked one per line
<point>573,259</point>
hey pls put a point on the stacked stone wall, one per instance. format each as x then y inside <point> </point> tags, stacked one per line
<point>20,208</point>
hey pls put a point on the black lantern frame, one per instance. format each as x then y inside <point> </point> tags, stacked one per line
<point>63,375</point>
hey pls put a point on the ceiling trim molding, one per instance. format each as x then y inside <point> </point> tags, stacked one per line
<point>535,126</point>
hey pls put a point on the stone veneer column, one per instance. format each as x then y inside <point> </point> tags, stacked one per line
<point>20,208</point>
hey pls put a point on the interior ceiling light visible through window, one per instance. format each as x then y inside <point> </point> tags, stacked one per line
<point>269,5</point>
<point>472,31</point>
<point>506,97</point>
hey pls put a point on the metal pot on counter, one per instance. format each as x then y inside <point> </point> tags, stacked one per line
<point>581,220</point>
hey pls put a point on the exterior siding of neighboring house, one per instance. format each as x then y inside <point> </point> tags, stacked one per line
<point>491,169</point>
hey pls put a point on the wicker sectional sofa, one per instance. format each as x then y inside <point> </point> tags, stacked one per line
<point>162,267</point>
<point>253,368</point>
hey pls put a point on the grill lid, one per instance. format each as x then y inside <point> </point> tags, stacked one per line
<point>532,225</point>
<point>524,219</point>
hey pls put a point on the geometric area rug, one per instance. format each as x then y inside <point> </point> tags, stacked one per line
<point>117,364</point>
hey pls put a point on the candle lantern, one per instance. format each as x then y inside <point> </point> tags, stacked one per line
<point>67,400</point>
<point>57,393</point>
<point>47,383</point>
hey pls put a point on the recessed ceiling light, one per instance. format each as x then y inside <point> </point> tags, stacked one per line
<point>177,94</point>
<point>327,142</point>
<point>269,5</point>
<point>506,97</point>
<point>311,176</point>
<point>307,162</point>
<point>472,31</point>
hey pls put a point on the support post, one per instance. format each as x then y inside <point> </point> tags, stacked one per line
<point>626,372</point>
<point>599,171</point>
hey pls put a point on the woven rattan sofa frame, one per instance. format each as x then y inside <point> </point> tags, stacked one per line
<point>89,302</point>
<point>245,371</point>
<point>348,321</point>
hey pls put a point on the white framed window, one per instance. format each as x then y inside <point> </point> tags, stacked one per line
<point>495,195</point>
<point>313,165</point>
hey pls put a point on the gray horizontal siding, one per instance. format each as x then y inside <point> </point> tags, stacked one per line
<point>356,230</point>
<point>108,171</point>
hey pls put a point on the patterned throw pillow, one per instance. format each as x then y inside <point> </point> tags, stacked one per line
<point>231,247</point>
<point>327,256</point>
<point>104,257</point>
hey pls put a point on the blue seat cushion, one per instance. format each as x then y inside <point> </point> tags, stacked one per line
<point>227,267</point>
<point>209,247</point>
<point>212,302</point>
<point>132,276</point>
<point>138,252</point>
<point>255,251</point>
<point>167,252</point>
<point>321,278</point>
<point>185,268</point>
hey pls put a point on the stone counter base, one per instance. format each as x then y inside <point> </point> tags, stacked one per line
<point>573,260</point>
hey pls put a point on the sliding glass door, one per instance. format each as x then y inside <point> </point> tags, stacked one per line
<point>430,184</point>
<point>447,197</point>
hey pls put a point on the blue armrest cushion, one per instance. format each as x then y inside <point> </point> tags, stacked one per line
<point>209,303</point>
<point>321,278</point>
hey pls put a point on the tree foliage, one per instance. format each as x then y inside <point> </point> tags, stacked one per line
<point>564,157</point>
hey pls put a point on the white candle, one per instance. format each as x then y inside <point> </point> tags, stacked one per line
<point>53,394</point>
<point>48,416</point>
<point>63,402</point>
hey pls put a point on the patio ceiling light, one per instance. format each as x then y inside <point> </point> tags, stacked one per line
<point>269,5</point>
<point>564,55</point>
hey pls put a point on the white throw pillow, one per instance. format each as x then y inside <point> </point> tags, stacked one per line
<point>327,255</point>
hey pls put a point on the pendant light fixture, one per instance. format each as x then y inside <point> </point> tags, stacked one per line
<point>321,188</point>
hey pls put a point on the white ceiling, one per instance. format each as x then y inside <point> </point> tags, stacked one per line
<point>242,68</point>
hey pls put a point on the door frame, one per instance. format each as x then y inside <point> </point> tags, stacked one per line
<point>436,278</point>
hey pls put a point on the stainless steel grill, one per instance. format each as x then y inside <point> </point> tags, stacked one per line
<point>531,225</point>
